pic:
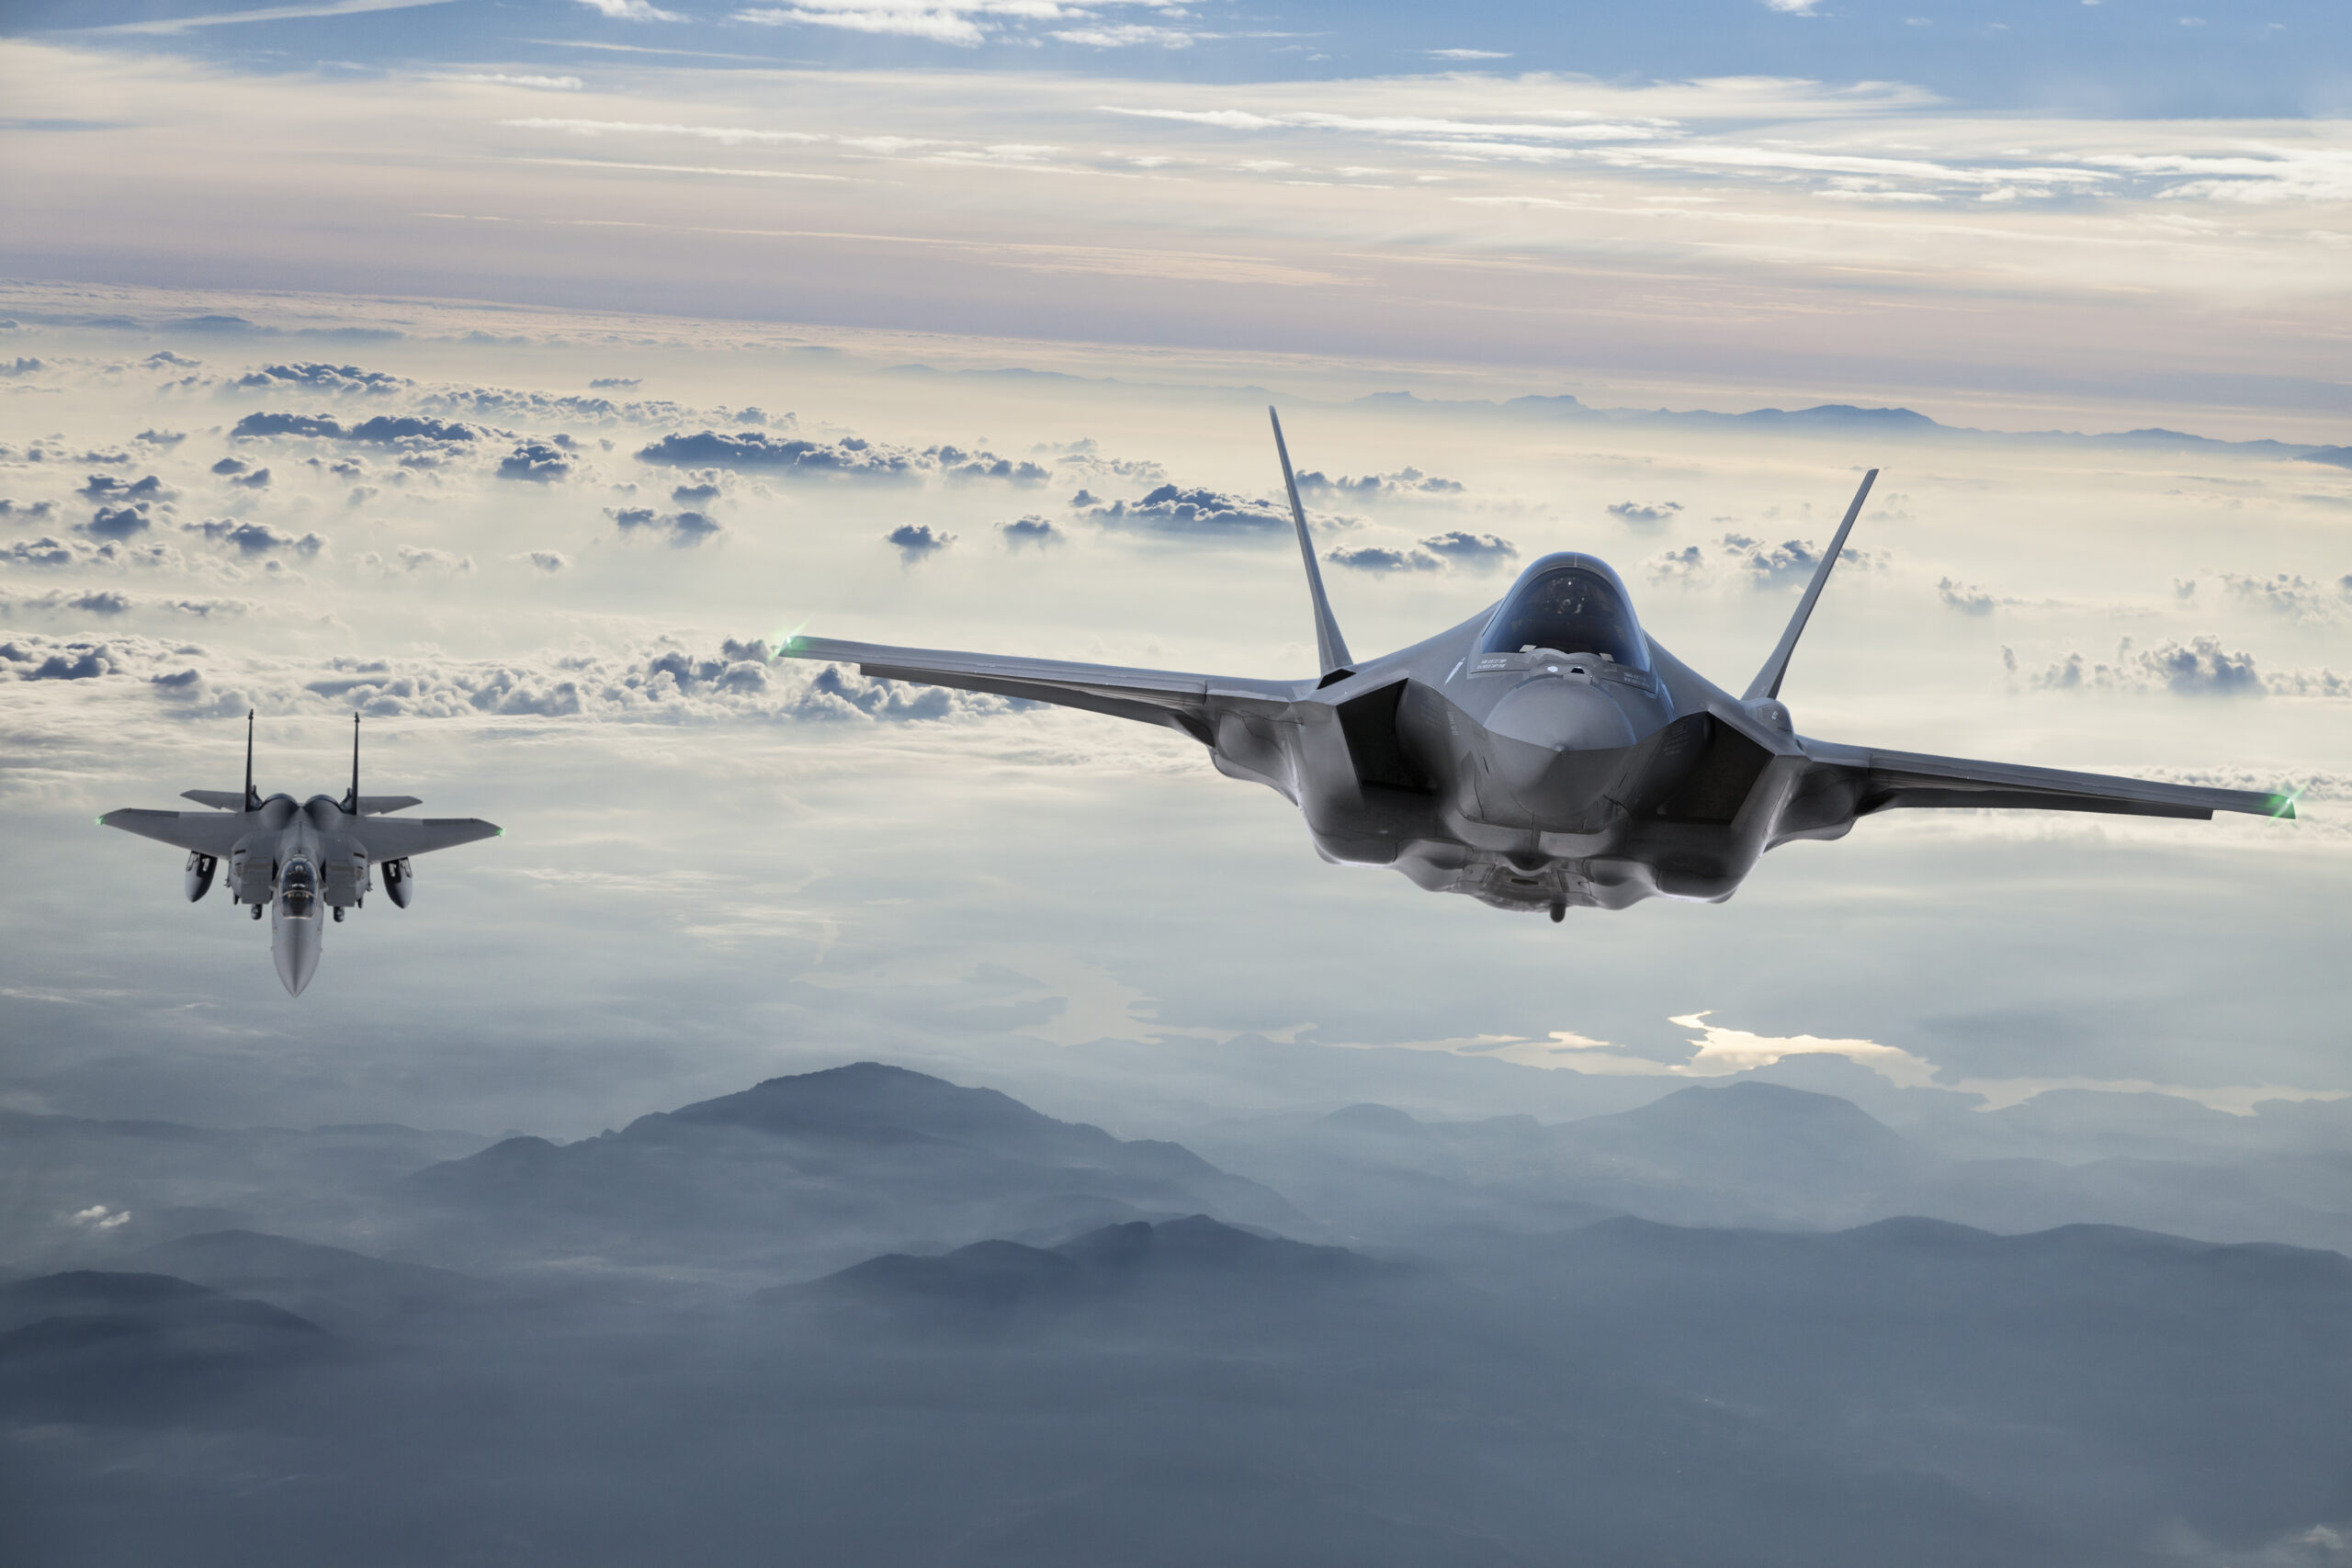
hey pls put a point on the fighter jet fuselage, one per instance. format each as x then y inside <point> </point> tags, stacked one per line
<point>1547,753</point>
<point>1536,759</point>
<point>306,863</point>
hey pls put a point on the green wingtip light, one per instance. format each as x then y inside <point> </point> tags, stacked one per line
<point>2283,808</point>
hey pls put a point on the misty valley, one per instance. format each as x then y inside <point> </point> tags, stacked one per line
<point>865,1315</point>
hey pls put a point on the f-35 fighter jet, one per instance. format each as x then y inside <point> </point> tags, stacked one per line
<point>1546,753</point>
<point>303,860</point>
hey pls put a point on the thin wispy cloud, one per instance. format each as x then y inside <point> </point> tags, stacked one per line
<point>632,11</point>
<point>502,79</point>
<point>725,135</point>
<point>966,24</point>
<point>266,14</point>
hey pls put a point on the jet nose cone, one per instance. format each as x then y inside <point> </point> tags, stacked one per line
<point>297,952</point>
<point>1561,712</point>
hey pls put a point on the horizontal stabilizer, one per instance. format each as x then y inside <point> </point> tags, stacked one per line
<point>221,799</point>
<point>377,804</point>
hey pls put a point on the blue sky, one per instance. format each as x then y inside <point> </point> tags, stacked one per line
<point>2123,57</point>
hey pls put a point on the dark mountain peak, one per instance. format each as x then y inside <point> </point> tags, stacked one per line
<point>867,1077</point>
<point>1384,1119</point>
<point>62,1313</point>
<point>1139,1259</point>
<point>986,1273</point>
<point>1198,1244</point>
<point>1921,1233</point>
<point>791,1159</point>
<point>1841,413</point>
<point>96,1290</point>
<point>1749,1104</point>
<point>870,1099</point>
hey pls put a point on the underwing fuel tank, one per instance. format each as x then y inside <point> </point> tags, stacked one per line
<point>198,882</point>
<point>400,882</point>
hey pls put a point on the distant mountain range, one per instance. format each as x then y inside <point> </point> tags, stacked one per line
<point>827,1166</point>
<point>1897,422</point>
<point>892,1320</point>
<point>1753,1153</point>
<point>1907,423</point>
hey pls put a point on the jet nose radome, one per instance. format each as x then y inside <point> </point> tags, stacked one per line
<point>297,952</point>
<point>1561,709</point>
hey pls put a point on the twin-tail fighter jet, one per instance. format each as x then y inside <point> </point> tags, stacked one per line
<point>1546,753</point>
<point>302,860</point>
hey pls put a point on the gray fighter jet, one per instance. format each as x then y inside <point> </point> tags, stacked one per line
<point>301,860</point>
<point>1546,753</point>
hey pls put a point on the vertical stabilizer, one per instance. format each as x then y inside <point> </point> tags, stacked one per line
<point>351,801</point>
<point>1328,644</point>
<point>253,801</point>
<point>1768,680</point>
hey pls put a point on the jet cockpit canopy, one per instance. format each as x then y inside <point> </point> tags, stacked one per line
<point>1570,603</point>
<point>299,891</point>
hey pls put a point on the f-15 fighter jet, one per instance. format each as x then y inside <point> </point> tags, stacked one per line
<point>1546,753</point>
<point>302,861</point>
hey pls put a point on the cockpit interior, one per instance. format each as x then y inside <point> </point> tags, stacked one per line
<point>1569,609</point>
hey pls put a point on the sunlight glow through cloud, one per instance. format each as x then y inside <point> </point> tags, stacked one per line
<point>1721,1052</point>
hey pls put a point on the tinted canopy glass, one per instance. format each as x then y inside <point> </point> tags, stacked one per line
<point>299,890</point>
<point>1569,610</point>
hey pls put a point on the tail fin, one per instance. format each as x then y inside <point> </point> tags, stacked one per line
<point>351,801</point>
<point>1768,680</point>
<point>1328,644</point>
<point>253,799</point>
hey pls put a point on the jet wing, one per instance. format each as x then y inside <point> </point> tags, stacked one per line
<point>1153,696</point>
<point>207,832</point>
<point>1893,779</point>
<point>218,799</point>
<point>397,838</point>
